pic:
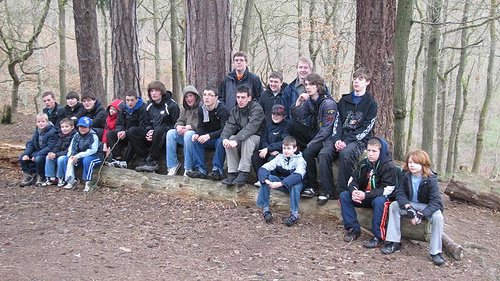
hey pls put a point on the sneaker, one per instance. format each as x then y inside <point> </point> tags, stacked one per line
<point>70,185</point>
<point>215,175</point>
<point>61,182</point>
<point>49,182</point>
<point>308,193</point>
<point>241,179</point>
<point>322,199</point>
<point>257,184</point>
<point>88,187</point>
<point>27,180</point>
<point>39,180</point>
<point>390,247</point>
<point>351,235</point>
<point>268,216</point>
<point>173,171</point>
<point>150,166</point>
<point>230,178</point>
<point>375,242</point>
<point>196,174</point>
<point>438,259</point>
<point>290,220</point>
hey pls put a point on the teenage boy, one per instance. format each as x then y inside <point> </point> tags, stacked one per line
<point>54,111</point>
<point>273,94</point>
<point>240,76</point>
<point>242,134</point>
<point>74,107</point>
<point>285,173</point>
<point>184,130</point>
<point>95,111</point>
<point>131,118</point>
<point>293,90</point>
<point>370,186</point>
<point>162,112</point>
<point>357,112</point>
<point>212,116</point>
<point>312,122</point>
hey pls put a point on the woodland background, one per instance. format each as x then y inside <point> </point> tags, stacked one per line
<point>441,55</point>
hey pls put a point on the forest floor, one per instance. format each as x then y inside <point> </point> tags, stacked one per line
<point>126,234</point>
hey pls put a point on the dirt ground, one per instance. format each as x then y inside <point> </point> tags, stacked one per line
<point>125,234</point>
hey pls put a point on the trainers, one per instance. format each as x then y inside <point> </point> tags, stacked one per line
<point>241,179</point>
<point>268,216</point>
<point>27,180</point>
<point>438,259</point>
<point>196,174</point>
<point>230,178</point>
<point>150,166</point>
<point>257,184</point>
<point>290,220</point>
<point>61,182</point>
<point>49,182</point>
<point>375,242</point>
<point>88,187</point>
<point>39,180</point>
<point>173,171</point>
<point>120,164</point>
<point>351,235</point>
<point>322,199</point>
<point>390,247</point>
<point>308,193</point>
<point>215,175</point>
<point>70,185</point>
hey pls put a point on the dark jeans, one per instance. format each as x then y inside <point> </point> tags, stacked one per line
<point>32,167</point>
<point>142,147</point>
<point>119,145</point>
<point>302,133</point>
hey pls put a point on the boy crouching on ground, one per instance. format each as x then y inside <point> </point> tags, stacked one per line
<point>85,150</point>
<point>285,172</point>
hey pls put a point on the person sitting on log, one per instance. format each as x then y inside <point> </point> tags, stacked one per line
<point>94,110</point>
<point>418,198</point>
<point>371,185</point>
<point>285,173</point>
<point>212,115</point>
<point>74,107</point>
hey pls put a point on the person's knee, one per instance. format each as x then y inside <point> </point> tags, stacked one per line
<point>39,159</point>
<point>345,196</point>
<point>437,217</point>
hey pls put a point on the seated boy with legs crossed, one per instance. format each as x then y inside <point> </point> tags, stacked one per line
<point>285,173</point>
<point>57,157</point>
<point>418,198</point>
<point>370,186</point>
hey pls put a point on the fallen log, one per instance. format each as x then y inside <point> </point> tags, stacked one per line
<point>10,152</point>
<point>453,249</point>
<point>475,189</point>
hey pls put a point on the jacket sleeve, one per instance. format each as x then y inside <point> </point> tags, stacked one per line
<point>327,118</point>
<point>353,183</point>
<point>366,126</point>
<point>174,111</point>
<point>257,86</point>
<point>99,120</point>
<point>30,145</point>
<point>265,170</point>
<point>401,187</point>
<point>122,119</point>
<point>435,201</point>
<point>254,122</point>
<point>92,150</point>
<point>181,121</point>
<point>387,182</point>
<point>201,128</point>
<point>297,176</point>
<point>223,117</point>
<point>50,142</point>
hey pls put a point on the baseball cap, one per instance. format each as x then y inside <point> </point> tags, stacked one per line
<point>278,109</point>
<point>84,122</point>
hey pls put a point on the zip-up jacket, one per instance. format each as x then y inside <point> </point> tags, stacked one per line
<point>217,118</point>
<point>85,145</point>
<point>227,89</point>
<point>189,114</point>
<point>267,100</point>
<point>42,142</point>
<point>132,117</point>
<point>63,143</point>
<point>55,115</point>
<point>162,114</point>
<point>244,122</point>
<point>290,169</point>
<point>273,136</point>
<point>74,112</point>
<point>97,114</point>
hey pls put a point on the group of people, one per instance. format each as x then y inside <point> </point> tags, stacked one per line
<point>280,132</point>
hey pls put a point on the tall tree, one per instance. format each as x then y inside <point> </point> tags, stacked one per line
<point>174,38</point>
<point>430,83</point>
<point>87,48</point>
<point>246,26</point>
<point>375,22</point>
<point>483,117</point>
<point>104,8</point>
<point>61,6</point>
<point>208,42</point>
<point>124,48</point>
<point>402,35</point>
<point>19,47</point>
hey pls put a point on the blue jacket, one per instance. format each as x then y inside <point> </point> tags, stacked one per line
<point>55,115</point>
<point>228,86</point>
<point>290,169</point>
<point>63,143</point>
<point>42,142</point>
<point>85,145</point>
<point>273,136</point>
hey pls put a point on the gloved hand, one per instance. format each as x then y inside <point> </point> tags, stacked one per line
<point>419,217</point>
<point>411,213</point>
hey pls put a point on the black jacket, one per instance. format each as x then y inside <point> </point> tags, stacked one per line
<point>428,193</point>
<point>162,114</point>
<point>216,120</point>
<point>132,117</point>
<point>75,112</point>
<point>63,142</point>
<point>227,89</point>
<point>273,136</point>
<point>267,100</point>
<point>55,115</point>
<point>98,115</point>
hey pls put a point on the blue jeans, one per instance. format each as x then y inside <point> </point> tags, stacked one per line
<point>199,155</point>
<point>32,167</point>
<point>173,138</point>
<point>347,206</point>
<point>264,194</point>
<point>50,167</point>
<point>88,163</point>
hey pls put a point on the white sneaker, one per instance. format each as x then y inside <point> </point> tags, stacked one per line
<point>70,185</point>
<point>61,182</point>
<point>88,187</point>
<point>257,184</point>
<point>173,171</point>
<point>121,164</point>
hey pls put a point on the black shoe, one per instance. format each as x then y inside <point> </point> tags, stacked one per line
<point>268,216</point>
<point>351,235</point>
<point>323,198</point>
<point>308,193</point>
<point>230,178</point>
<point>438,259</point>
<point>241,179</point>
<point>150,166</point>
<point>375,242</point>
<point>290,220</point>
<point>215,175</point>
<point>196,174</point>
<point>28,180</point>
<point>390,247</point>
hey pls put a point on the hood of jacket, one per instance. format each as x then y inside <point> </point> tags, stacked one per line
<point>116,104</point>
<point>129,110</point>
<point>190,89</point>
<point>385,154</point>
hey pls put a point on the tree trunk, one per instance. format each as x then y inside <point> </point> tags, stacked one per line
<point>375,22</point>
<point>156,30</point>
<point>299,27</point>
<point>313,52</point>
<point>208,42</point>
<point>475,189</point>
<point>404,19</point>
<point>124,48</point>
<point>431,63</point>
<point>450,165</point>
<point>104,14</point>
<point>246,26</point>
<point>87,48</point>
<point>176,85</point>
<point>62,50</point>
<point>483,117</point>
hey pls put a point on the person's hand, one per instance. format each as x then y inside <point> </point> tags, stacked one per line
<point>274,153</point>
<point>358,196</point>
<point>51,155</point>
<point>195,137</point>
<point>273,184</point>
<point>301,99</point>
<point>263,153</point>
<point>25,157</point>
<point>339,145</point>
<point>149,135</point>
<point>410,212</point>
<point>418,218</point>
<point>203,138</point>
<point>229,143</point>
<point>72,160</point>
<point>121,135</point>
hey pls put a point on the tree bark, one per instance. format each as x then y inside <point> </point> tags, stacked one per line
<point>174,38</point>
<point>87,48</point>
<point>375,21</point>
<point>246,26</point>
<point>404,19</point>
<point>62,50</point>
<point>299,27</point>
<point>208,42</point>
<point>105,50</point>
<point>483,117</point>
<point>124,48</point>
